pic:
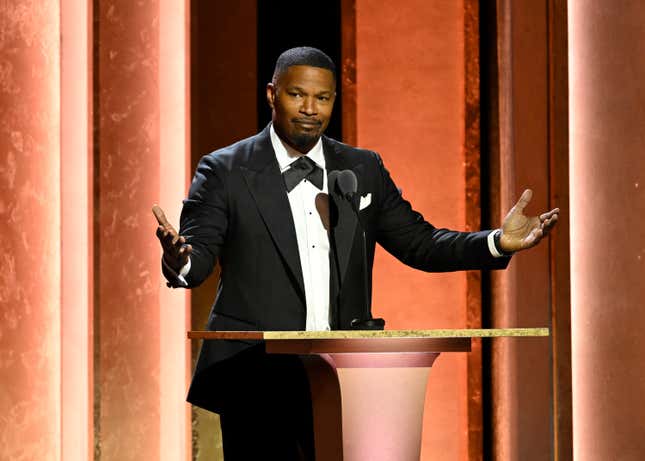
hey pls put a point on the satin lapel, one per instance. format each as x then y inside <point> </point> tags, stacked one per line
<point>342,217</point>
<point>265,183</point>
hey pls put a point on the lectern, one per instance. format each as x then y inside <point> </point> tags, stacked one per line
<point>368,387</point>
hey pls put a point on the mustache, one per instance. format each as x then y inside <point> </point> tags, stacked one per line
<point>307,120</point>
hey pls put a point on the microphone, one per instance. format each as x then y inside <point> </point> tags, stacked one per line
<point>348,186</point>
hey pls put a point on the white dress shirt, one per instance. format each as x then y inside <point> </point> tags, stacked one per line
<point>312,237</point>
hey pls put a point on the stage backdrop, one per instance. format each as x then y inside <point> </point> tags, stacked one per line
<point>105,107</point>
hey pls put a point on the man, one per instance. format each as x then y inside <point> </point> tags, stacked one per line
<point>291,254</point>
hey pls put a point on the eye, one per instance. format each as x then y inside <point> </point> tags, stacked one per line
<point>294,94</point>
<point>323,98</point>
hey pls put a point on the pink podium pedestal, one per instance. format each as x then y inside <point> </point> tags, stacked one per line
<point>368,387</point>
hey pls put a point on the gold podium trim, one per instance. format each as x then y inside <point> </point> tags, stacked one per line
<point>349,334</point>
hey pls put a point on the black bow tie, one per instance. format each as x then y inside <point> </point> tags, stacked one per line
<point>303,168</point>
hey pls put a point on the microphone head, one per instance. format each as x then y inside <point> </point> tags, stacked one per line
<point>347,184</point>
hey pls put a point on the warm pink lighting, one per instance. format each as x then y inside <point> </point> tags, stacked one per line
<point>76,237</point>
<point>30,257</point>
<point>397,420</point>
<point>504,352</point>
<point>174,155</point>
<point>127,365</point>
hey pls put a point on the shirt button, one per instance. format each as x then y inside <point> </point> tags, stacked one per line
<point>313,246</point>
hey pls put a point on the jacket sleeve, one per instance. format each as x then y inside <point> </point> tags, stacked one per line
<point>405,234</point>
<point>204,218</point>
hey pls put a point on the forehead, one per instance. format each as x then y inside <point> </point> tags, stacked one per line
<point>308,77</point>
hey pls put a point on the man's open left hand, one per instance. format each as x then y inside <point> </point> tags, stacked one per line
<point>520,232</point>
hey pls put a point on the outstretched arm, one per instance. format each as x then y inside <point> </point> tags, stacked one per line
<point>520,232</point>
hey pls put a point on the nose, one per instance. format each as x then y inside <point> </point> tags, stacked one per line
<point>309,106</point>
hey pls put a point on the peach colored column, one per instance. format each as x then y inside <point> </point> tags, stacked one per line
<point>141,359</point>
<point>174,160</point>
<point>607,116</point>
<point>410,108</point>
<point>503,414</point>
<point>127,324</point>
<point>76,218</point>
<point>30,259</point>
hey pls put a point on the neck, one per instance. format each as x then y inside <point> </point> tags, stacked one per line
<point>292,150</point>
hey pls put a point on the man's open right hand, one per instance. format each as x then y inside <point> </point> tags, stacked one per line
<point>175,250</point>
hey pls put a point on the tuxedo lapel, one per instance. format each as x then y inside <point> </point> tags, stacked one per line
<point>342,217</point>
<point>265,183</point>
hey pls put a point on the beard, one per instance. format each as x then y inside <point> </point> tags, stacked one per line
<point>304,141</point>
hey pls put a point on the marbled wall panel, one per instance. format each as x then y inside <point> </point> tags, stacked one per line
<point>410,108</point>
<point>127,253</point>
<point>30,245</point>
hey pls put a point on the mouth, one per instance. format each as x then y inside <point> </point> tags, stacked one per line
<point>307,123</point>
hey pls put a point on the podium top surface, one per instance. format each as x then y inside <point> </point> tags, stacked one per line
<point>364,334</point>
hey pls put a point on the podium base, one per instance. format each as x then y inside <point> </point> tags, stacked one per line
<point>368,405</point>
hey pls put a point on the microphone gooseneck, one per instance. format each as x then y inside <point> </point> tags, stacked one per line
<point>347,184</point>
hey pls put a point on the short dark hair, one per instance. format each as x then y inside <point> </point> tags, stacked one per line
<point>303,56</point>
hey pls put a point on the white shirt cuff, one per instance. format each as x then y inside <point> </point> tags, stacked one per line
<point>182,273</point>
<point>491,245</point>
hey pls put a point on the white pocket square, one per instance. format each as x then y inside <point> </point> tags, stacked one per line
<point>365,201</point>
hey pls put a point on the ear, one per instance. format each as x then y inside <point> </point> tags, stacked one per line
<point>271,90</point>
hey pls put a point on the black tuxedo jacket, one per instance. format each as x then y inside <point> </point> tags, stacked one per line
<point>238,212</point>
